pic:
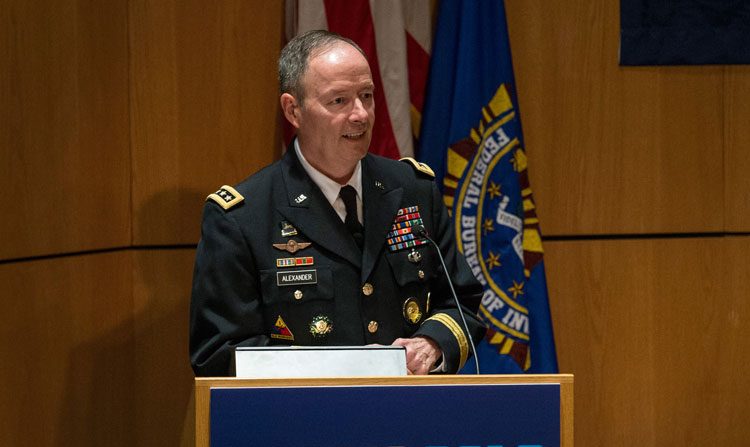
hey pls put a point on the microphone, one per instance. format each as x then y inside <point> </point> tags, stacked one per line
<point>420,231</point>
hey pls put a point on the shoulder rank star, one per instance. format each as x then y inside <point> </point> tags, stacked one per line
<point>226,197</point>
<point>292,246</point>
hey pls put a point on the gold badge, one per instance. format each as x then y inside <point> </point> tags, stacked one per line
<point>292,246</point>
<point>321,326</point>
<point>412,312</point>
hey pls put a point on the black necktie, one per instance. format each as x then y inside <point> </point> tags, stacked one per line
<point>349,196</point>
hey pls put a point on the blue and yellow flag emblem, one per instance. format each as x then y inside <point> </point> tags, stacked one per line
<point>497,230</point>
<point>471,113</point>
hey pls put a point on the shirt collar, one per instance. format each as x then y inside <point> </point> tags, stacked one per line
<point>329,187</point>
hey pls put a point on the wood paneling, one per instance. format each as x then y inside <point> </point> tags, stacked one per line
<point>163,378</point>
<point>656,333</point>
<point>64,143</point>
<point>204,106</point>
<point>95,350</point>
<point>67,347</point>
<point>612,149</point>
<point>736,155</point>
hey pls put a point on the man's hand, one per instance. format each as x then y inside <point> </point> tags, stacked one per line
<point>421,353</point>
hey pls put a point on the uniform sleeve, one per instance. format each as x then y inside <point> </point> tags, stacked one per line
<point>444,324</point>
<point>225,308</point>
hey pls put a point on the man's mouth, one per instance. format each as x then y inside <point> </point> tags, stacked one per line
<point>354,135</point>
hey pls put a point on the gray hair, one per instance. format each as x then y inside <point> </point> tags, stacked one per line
<point>296,55</point>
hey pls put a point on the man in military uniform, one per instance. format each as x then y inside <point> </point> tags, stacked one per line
<point>318,249</point>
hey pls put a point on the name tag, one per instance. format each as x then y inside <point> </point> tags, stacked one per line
<point>296,278</point>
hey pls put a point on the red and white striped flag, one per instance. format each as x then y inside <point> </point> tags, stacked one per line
<point>396,35</point>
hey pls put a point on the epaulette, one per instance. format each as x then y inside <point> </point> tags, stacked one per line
<point>421,167</point>
<point>226,197</point>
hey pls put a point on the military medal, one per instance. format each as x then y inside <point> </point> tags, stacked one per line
<point>411,310</point>
<point>321,326</point>
<point>401,236</point>
<point>292,246</point>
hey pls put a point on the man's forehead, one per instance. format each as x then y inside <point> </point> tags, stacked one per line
<point>330,50</point>
<point>338,55</point>
<point>339,70</point>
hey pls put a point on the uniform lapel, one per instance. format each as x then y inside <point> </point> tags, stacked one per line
<point>308,210</point>
<point>381,202</point>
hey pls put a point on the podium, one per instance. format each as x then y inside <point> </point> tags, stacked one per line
<point>411,411</point>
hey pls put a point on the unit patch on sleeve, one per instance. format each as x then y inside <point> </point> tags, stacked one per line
<point>226,197</point>
<point>281,331</point>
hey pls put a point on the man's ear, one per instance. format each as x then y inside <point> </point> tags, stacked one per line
<point>290,107</point>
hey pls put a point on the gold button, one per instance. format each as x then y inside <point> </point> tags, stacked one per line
<point>372,327</point>
<point>297,294</point>
<point>420,274</point>
<point>367,289</point>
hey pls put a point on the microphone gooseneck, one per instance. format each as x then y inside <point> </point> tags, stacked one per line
<point>420,231</point>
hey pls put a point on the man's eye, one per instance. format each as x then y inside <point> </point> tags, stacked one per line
<point>367,95</point>
<point>338,101</point>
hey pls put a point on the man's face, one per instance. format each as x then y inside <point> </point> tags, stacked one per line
<point>334,123</point>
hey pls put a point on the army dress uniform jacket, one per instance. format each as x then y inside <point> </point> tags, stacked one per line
<point>276,266</point>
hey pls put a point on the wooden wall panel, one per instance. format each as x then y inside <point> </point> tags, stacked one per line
<point>736,155</point>
<point>204,106</point>
<point>611,149</point>
<point>67,347</point>
<point>732,345</point>
<point>655,332</point>
<point>64,143</point>
<point>163,378</point>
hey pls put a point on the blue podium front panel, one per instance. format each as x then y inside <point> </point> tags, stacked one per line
<point>387,416</point>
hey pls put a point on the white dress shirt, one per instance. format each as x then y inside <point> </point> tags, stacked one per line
<point>331,188</point>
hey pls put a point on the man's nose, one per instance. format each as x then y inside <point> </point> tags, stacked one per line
<point>359,112</point>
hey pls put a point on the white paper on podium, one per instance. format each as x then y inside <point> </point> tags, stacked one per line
<point>269,362</point>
